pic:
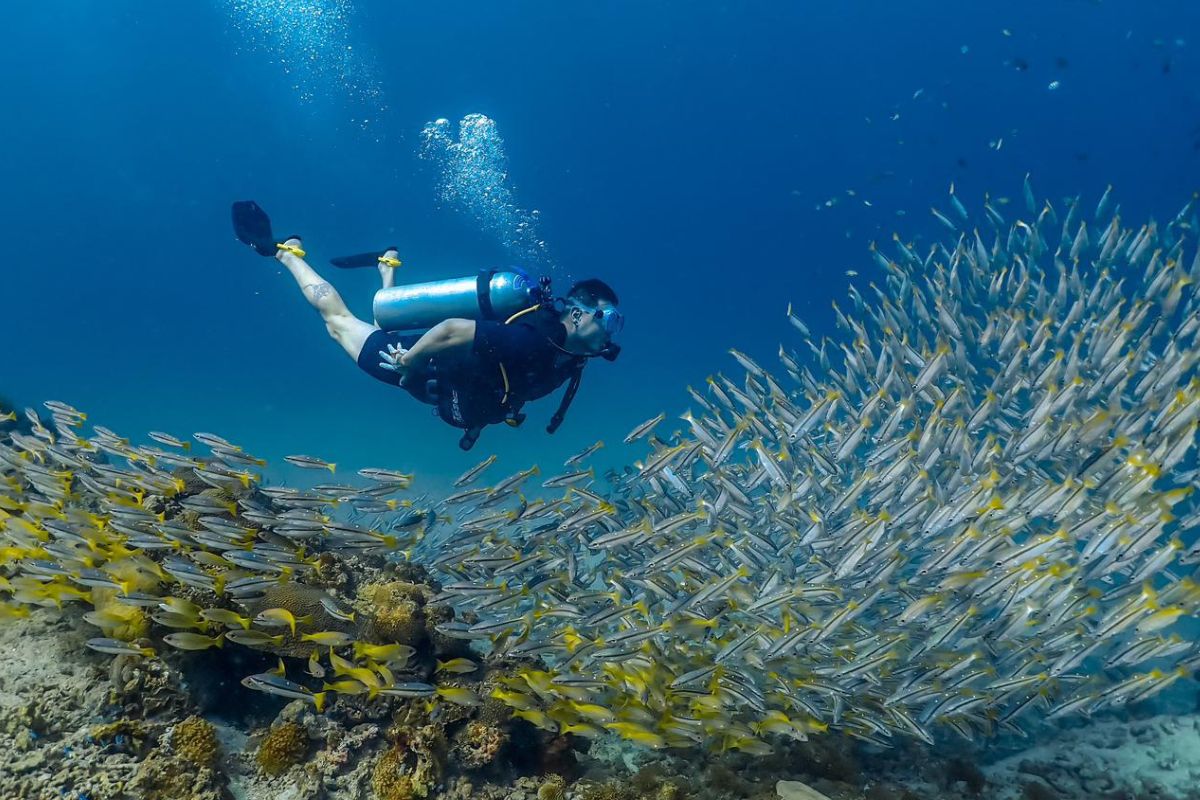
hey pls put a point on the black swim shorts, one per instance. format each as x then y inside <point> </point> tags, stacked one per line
<point>369,358</point>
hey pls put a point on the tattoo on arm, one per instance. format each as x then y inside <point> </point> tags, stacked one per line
<point>318,291</point>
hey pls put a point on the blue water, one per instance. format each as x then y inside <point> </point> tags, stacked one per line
<point>684,152</point>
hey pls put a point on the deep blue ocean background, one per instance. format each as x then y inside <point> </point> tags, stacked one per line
<point>697,156</point>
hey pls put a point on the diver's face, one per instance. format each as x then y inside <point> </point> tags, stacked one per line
<point>587,336</point>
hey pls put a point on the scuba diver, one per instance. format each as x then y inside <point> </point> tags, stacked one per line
<point>476,349</point>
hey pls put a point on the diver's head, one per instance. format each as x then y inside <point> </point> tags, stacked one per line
<point>591,318</point>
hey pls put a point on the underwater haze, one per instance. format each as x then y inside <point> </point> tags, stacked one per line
<point>896,495</point>
<point>698,157</point>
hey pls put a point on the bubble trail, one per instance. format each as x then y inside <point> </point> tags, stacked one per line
<point>311,41</point>
<point>473,178</point>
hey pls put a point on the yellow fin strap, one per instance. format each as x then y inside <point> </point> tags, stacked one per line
<point>388,261</point>
<point>291,248</point>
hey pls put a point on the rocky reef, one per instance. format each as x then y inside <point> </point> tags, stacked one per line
<point>76,725</point>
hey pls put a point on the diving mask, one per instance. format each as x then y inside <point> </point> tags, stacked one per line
<point>610,319</point>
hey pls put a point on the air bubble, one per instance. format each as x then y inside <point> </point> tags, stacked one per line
<point>473,178</point>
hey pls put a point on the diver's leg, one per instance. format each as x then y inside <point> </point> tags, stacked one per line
<point>346,329</point>
<point>387,273</point>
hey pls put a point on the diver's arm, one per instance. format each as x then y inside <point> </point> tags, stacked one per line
<point>450,334</point>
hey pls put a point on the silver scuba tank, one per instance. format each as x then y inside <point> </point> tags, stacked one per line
<point>492,294</point>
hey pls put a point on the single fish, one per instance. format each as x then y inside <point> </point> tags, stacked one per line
<point>474,472</point>
<point>280,686</point>
<point>115,647</point>
<point>309,462</point>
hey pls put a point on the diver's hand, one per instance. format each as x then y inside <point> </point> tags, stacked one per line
<point>391,359</point>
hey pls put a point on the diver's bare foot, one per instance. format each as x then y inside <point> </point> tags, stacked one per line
<point>387,267</point>
<point>291,246</point>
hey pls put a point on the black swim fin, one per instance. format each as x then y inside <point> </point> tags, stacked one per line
<point>252,226</point>
<point>359,259</point>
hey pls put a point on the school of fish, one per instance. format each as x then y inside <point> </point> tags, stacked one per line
<point>971,510</point>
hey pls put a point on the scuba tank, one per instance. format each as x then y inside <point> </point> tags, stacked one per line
<point>493,294</point>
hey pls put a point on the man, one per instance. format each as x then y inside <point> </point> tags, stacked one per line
<point>474,372</point>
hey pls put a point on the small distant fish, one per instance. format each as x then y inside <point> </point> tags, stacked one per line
<point>458,666</point>
<point>582,454</point>
<point>475,471</point>
<point>169,440</point>
<point>309,462</point>
<point>185,640</point>
<point>64,409</point>
<point>115,647</point>
<point>942,218</point>
<point>327,638</point>
<point>459,695</point>
<point>212,440</point>
<point>279,617</point>
<point>643,429</point>
<point>253,638</point>
<point>1054,85</point>
<point>225,616</point>
<point>383,652</point>
<point>334,610</point>
<point>410,689</point>
<point>386,475</point>
<point>271,683</point>
<point>797,323</point>
<point>314,667</point>
<point>568,478</point>
<point>851,273</point>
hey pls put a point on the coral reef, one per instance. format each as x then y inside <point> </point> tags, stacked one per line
<point>146,689</point>
<point>391,780</point>
<point>282,748</point>
<point>416,760</point>
<point>164,776</point>
<point>195,740</point>
<point>554,788</point>
<point>691,664</point>
<point>61,737</point>
<point>478,744</point>
<point>396,610</point>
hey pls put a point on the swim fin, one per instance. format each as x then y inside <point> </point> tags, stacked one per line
<point>252,226</point>
<point>359,259</point>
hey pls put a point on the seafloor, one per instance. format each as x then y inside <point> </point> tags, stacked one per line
<point>76,724</point>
